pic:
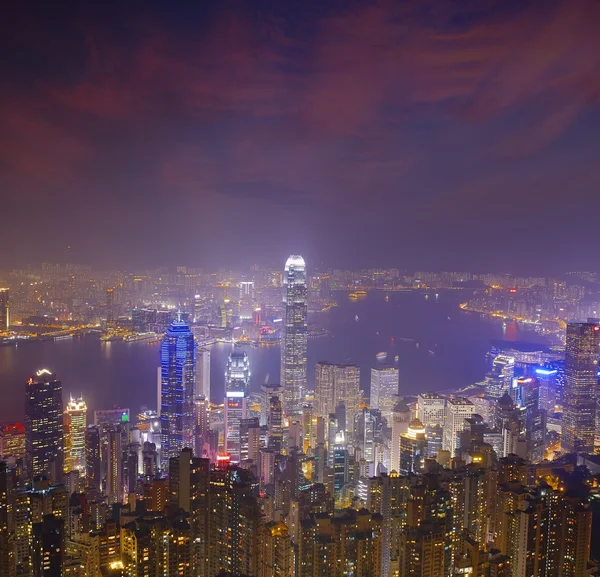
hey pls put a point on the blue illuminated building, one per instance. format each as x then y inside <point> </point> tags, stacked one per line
<point>177,384</point>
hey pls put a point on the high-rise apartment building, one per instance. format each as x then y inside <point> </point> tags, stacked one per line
<point>48,547</point>
<point>75,424</point>
<point>457,410</point>
<point>335,386</point>
<point>12,440</point>
<point>581,387</point>
<point>4,310</point>
<point>178,384</point>
<point>237,379</point>
<point>294,333</point>
<point>384,389</point>
<point>44,424</point>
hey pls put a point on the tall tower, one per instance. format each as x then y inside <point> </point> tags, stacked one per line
<point>294,334</point>
<point>75,423</point>
<point>4,311</point>
<point>384,389</point>
<point>581,387</point>
<point>178,383</point>
<point>44,424</point>
<point>237,378</point>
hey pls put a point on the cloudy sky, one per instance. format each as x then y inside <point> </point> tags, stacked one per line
<point>420,134</point>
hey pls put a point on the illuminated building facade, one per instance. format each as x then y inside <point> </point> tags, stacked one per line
<point>581,387</point>
<point>457,410</point>
<point>384,389</point>
<point>12,440</point>
<point>413,448</point>
<point>246,300</point>
<point>4,310</point>
<point>335,386</point>
<point>237,379</point>
<point>178,384</point>
<point>44,424</point>
<point>294,333</point>
<point>203,373</point>
<point>75,423</point>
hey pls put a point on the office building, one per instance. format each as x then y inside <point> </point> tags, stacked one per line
<point>336,386</point>
<point>247,300</point>
<point>294,334</point>
<point>203,373</point>
<point>413,448</point>
<point>457,410</point>
<point>581,387</point>
<point>237,379</point>
<point>400,421</point>
<point>384,389</point>
<point>44,425</point>
<point>249,442</point>
<point>75,424</point>
<point>12,441</point>
<point>4,310</point>
<point>178,385</point>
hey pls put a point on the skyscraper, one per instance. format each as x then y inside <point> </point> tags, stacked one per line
<point>384,389</point>
<point>203,373</point>
<point>294,333</point>
<point>457,410</point>
<point>337,385</point>
<point>75,423</point>
<point>178,382</point>
<point>44,424</point>
<point>581,387</point>
<point>237,378</point>
<point>4,311</point>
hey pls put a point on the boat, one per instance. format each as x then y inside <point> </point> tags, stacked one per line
<point>397,358</point>
<point>431,353</point>
<point>387,298</point>
<point>356,318</point>
<point>139,337</point>
<point>381,356</point>
<point>63,337</point>
<point>361,293</point>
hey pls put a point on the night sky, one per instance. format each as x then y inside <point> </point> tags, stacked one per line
<point>427,134</point>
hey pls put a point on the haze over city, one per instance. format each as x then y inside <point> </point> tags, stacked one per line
<point>438,135</point>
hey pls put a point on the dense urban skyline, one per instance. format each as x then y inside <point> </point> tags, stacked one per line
<point>414,134</point>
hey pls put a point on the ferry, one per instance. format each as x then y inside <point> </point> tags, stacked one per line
<point>397,358</point>
<point>139,337</point>
<point>68,337</point>
<point>381,356</point>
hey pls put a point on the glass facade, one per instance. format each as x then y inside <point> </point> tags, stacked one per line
<point>237,379</point>
<point>294,334</point>
<point>581,386</point>
<point>178,383</point>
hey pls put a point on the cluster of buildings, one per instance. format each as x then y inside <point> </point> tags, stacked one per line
<point>315,483</point>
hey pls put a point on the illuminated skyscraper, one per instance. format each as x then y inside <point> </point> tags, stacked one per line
<point>4,311</point>
<point>337,385</point>
<point>44,424</point>
<point>384,389</point>
<point>294,333</point>
<point>203,373</point>
<point>178,383</point>
<point>457,410</point>
<point>75,423</point>
<point>581,387</point>
<point>237,378</point>
<point>246,300</point>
